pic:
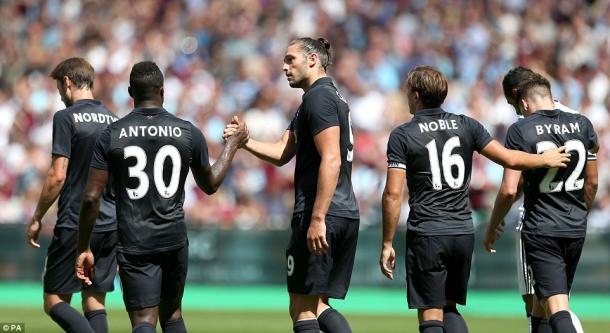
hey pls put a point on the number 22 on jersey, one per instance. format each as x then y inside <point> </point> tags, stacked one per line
<point>547,185</point>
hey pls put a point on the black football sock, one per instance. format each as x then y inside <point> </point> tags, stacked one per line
<point>144,328</point>
<point>174,326</point>
<point>561,322</point>
<point>431,326</point>
<point>540,325</point>
<point>453,321</point>
<point>69,319</point>
<point>98,321</point>
<point>331,321</point>
<point>306,326</point>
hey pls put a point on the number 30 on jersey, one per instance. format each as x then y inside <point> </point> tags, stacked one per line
<point>137,171</point>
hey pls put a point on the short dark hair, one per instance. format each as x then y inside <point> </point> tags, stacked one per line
<point>145,76</point>
<point>513,79</point>
<point>536,85</point>
<point>78,70</point>
<point>430,83</point>
<point>320,46</point>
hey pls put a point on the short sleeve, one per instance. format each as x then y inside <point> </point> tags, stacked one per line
<point>100,152</point>
<point>591,140</point>
<point>321,110</point>
<point>481,137</point>
<point>291,125</point>
<point>397,150</point>
<point>200,149</point>
<point>63,130</point>
<point>514,139</point>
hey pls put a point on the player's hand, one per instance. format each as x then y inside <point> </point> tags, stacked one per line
<point>388,256</point>
<point>32,232</point>
<point>556,157</point>
<point>85,267</point>
<point>236,130</point>
<point>316,237</point>
<point>491,236</point>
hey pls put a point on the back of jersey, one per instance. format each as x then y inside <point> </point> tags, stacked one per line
<point>75,132</point>
<point>148,154</point>
<point>435,148</point>
<point>554,198</point>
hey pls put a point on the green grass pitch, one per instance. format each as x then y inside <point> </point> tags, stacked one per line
<point>264,309</point>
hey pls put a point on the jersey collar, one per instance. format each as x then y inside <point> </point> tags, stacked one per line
<point>154,110</point>
<point>429,112</point>
<point>548,113</point>
<point>87,101</point>
<point>320,81</point>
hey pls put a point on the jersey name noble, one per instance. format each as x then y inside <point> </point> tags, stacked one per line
<point>142,131</point>
<point>440,124</point>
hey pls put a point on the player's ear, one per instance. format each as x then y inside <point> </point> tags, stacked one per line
<point>67,83</point>
<point>161,92</point>
<point>416,96</point>
<point>523,105</point>
<point>312,59</point>
<point>130,91</point>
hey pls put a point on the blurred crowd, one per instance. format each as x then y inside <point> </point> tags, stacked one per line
<point>224,57</point>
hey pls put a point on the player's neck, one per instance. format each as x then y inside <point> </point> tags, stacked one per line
<point>313,79</point>
<point>79,94</point>
<point>534,107</point>
<point>147,104</point>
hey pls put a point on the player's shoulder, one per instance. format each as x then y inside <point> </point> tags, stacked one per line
<point>324,91</point>
<point>564,108</point>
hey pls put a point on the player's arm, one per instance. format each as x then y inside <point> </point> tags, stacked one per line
<point>209,177</point>
<point>509,192</point>
<point>53,183</point>
<point>89,210</point>
<point>590,186</point>
<point>519,160</point>
<point>327,143</point>
<point>390,206</point>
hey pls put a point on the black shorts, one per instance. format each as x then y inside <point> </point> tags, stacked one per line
<point>328,274</point>
<point>553,262</point>
<point>149,279</point>
<point>59,276</point>
<point>438,269</point>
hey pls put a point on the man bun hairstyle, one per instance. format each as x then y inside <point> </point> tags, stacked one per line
<point>320,46</point>
<point>429,83</point>
<point>78,70</point>
<point>513,79</point>
<point>145,77</point>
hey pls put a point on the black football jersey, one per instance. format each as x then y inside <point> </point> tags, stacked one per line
<point>148,154</point>
<point>323,107</point>
<point>435,148</point>
<point>75,131</point>
<point>554,199</point>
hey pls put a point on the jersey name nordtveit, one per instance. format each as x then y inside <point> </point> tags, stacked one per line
<point>148,154</point>
<point>554,198</point>
<point>435,149</point>
<point>75,131</point>
<point>323,107</point>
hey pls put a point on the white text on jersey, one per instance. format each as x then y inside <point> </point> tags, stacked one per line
<point>94,117</point>
<point>438,125</point>
<point>141,131</point>
<point>557,129</point>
